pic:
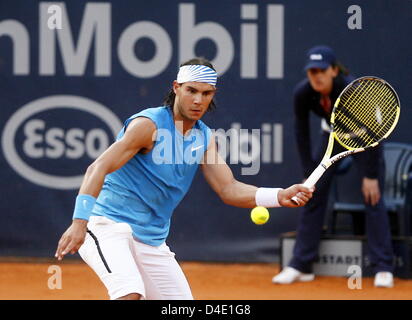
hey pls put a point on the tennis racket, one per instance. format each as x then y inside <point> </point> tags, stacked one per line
<point>365,113</point>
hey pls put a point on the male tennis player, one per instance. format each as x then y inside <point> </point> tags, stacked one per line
<point>129,193</point>
<point>317,93</point>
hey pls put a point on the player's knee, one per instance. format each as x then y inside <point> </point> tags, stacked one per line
<point>130,296</point>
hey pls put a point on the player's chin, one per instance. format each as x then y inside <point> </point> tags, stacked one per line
<point>318,87</point>
<point>196,114</point>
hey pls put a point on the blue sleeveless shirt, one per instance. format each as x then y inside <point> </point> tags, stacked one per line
<point>145,191</point>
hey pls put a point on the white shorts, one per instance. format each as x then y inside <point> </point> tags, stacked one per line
<point>126,265</point>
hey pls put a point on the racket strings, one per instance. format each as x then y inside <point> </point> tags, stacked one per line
<point>365,113</point>
<point>388,113</point>
<point>351,124</point>
<point>365,131</point>
<point>353,121</point>
<point>374,117</point>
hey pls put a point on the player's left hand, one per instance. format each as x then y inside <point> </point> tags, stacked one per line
<point>302,193</point>
<point>371,191</point>
<point>72,239</point>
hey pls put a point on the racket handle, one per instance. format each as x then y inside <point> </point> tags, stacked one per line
<point>311,181</point>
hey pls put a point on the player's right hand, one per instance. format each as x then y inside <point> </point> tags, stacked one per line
<point>72,239</point>
<point>302,193</point>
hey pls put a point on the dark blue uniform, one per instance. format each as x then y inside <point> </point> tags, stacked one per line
<point>371,164</point>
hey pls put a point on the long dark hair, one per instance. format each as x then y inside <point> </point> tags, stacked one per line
<point>169,99</point>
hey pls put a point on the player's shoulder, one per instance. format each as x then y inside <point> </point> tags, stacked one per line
<point>349,78</point>
<point>155,115</point>
<point>342,80</point>
<point>201,125</point>
<point>302,88</point>
<point>153,111</point>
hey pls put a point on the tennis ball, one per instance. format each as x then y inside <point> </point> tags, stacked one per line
<point>259,215</point>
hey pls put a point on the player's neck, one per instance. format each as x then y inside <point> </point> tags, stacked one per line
<point>184,126</point>
<point>182,123</point>
<point>326,92</point>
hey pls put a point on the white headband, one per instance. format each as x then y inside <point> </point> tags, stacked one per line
<point>197,73</point>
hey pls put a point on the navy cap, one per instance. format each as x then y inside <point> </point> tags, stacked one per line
<point>320,57</point>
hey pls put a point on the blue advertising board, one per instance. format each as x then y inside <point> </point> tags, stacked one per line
<point>72,71</point>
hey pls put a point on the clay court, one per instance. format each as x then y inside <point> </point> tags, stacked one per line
<point>209,281</point>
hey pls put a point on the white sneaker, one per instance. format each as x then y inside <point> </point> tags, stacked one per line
<point>383,280</point>
<point>289,275</point>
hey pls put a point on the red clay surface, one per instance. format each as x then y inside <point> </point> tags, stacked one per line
<point>209,281</point>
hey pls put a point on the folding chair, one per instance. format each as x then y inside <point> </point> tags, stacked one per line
<point>347,198</point>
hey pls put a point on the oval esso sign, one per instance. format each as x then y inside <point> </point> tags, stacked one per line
<point>56,137</point>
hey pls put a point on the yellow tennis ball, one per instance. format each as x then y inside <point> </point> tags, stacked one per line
<point>259,215</point>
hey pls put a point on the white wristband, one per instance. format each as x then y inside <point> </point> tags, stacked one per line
<point>267,197</point>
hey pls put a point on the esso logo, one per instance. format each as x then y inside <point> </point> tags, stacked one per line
<point>39,148</point>
<point>72,143</point>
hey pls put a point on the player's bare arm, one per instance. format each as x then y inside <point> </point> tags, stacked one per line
<point>233,192</point>
<point>138,138</point>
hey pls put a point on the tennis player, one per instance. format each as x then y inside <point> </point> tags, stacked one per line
<point>122,213</point>
<point>317,93</point>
